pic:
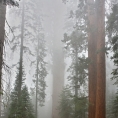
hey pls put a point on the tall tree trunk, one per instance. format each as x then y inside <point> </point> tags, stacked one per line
<point>76,80</point>
<point>58,78</point>
<point>58,56</point>
<point>37,77</point>
<point>76,73</point>
<point>2,38</point>
<point>101,74</point>
<point>92,55</point>
<point>21,54</point>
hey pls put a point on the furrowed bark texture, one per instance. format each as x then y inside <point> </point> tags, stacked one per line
<point>2,39</point>
<point>92,55</point>
<point>101,74</point>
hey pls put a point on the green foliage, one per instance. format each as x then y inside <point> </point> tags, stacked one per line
<point>81,75</point>
<point>115,43</point>
<point>112,23</point>
<point>115,107</point>
<point>68,103</point>
<point>20,108</point>
<point>109,107</point>
<point>112,107</point>
<point>112,29</point>
<point>75,41</point>
<point>10,2</point>
<point>73,98</point>
<point>29,27</point>
<point>14,105</point>
<point>40,73</point>
<point>115,58</point>
<point>32,26</point>
<point>76,45</point>
<point>81,106</point>
<point>73,102</point>
<point>28,111</point>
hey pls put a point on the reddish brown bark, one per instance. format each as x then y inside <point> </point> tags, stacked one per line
<point>100,91</point>
<point>92,57</point>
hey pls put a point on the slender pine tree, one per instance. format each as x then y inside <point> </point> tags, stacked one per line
<point>76,45</point>
<point>20,107</point>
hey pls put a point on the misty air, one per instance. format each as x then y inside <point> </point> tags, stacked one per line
<point>58,58</point>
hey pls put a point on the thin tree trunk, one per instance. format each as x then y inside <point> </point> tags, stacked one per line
<point>36,94</point>
<point>21,53</point>
<point>2,39</point>
<point>101,74</point>
<point>76,81</point>
<point>37,78</point>
<point>76,72</point>
<point>92,57</point>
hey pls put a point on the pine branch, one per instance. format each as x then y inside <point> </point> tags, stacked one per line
<point>9,27</point>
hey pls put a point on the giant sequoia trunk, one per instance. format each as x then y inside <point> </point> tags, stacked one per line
<point>101,76</point>
<point>58,81</point>
<point>58,59</point>
<point>92,55</point>
<point>21,54</point>
<point>2,38</point>
<point>58,77</point>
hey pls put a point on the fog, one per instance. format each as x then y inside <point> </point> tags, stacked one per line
<point>46,49</point>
